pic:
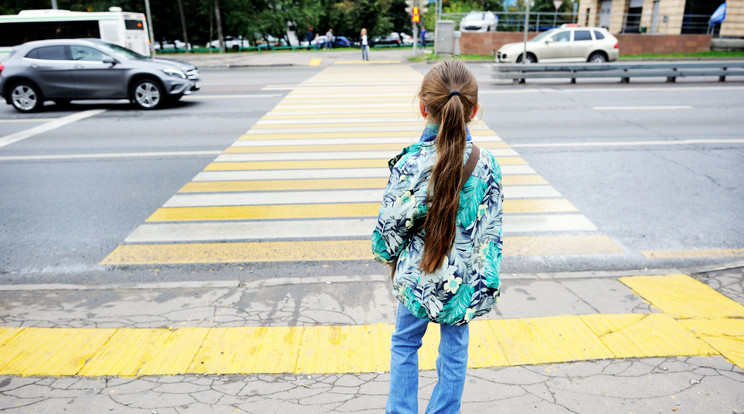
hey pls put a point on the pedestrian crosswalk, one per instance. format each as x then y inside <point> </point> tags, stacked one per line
<point>305,183</point>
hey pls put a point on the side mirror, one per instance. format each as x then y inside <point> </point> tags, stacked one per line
<point>109,60</point>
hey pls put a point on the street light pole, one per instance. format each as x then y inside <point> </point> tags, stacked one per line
<point>526,30</point>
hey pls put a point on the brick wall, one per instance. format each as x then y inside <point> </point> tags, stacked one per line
<point>630,44</point>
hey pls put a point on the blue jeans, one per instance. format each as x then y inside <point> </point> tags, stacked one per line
<point>365,52</point>
<point>451,365</point>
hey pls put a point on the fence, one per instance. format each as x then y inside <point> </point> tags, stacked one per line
<point>671,70</point>
<point>630,22</point>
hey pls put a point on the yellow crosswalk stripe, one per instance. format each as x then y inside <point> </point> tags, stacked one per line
<point>356,134</point>
<point>332,250</point>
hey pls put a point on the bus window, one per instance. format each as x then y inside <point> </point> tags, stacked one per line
<point>133,24</point>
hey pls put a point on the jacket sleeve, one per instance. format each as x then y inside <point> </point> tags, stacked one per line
<point>403,205</point>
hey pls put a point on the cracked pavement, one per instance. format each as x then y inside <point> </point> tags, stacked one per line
<point>634,385</point>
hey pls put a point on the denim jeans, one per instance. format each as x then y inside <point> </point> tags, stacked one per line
<point>365,52</point>
<point>451,366</point>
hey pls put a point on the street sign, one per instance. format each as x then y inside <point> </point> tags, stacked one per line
<point>557,4</point>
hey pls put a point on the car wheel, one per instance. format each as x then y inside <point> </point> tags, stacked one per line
<point>25,97</point>
<point>147,94</point>
<point>530,58</point>
<point>597,57</point>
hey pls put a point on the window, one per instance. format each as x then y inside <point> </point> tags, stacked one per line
<point>134,24</point>
<point>580,35</point>
<point>85,53</point>
<point>562,36</point>
<point>598,35</point>
<point>49,53</point>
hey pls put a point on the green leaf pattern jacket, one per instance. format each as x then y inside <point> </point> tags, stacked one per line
<point>467,283</point>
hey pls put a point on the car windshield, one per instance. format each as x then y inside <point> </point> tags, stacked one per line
<point>544,35</point>
<point>120,52</point>
<point>475,16</point>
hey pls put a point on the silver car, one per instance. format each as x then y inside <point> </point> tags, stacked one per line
<point>69,69</point>
<point>565,44</point>
<point>479,21</point>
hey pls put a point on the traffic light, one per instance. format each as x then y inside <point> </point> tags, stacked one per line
<point>415,18</point>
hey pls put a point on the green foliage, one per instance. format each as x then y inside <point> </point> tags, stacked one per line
<point>257,19</point>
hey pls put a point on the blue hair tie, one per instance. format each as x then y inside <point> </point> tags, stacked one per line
<point>453,93</point>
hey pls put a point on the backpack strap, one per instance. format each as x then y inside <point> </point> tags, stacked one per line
<point>470,164</point>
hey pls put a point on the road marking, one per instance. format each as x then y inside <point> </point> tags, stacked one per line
<point>312,229</point>
<point>107,155</point>
<point>401,140</point>
<point>331,155</point>
<point>642,108</point>
<point>574,90</point>
<point>630,143</point>
<point>233,96</point>
<point>249,175</point>
<point>332,250</point>
<point>688,254</point>
<point>512,193</point>
<point>27,120</point>
<point>57,123</point>
<point>314,62</point>
<point>127,352</point>
<point>322,184</point>
<point>313,164</point>
<point>684,297</point>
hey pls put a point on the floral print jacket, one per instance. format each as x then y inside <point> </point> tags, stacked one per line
<point>467,283</point>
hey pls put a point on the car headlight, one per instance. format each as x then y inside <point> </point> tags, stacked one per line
<point>175,72</point>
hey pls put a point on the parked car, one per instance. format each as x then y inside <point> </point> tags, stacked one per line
<point>231,43</point>
<point>391,39</point>
<point>406,39</point>
<point>165,45</point>
<point>565,44</point>
<point>479,21</point>
<point>338,41</point>
<point>62,70</point>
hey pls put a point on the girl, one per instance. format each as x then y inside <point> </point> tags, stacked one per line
<point>365,45</point>
<point>443,239</point>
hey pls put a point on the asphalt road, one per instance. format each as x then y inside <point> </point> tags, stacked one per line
<point>654,166</point>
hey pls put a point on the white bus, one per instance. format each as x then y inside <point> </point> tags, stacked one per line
<point>115,26</point>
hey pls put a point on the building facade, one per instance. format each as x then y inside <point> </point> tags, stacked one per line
<point>670,17</point>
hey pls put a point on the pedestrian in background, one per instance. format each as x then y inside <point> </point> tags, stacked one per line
<point>423,36</point>
<point>309,37</point>
<point>329,39</point>
<point>439,227</point>
<point>365,45</point>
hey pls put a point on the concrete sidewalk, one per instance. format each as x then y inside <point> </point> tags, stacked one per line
<point>674,346</point>
<point>293,58</point>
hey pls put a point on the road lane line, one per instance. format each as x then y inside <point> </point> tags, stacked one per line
<point>688,254</point>
<point>57,123</point>
<point>642,108</point>
<point>331,155</point>
<point>107,155</point>
<point>629,143</point>
<point>232,96</point>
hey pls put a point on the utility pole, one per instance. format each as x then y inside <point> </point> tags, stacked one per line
<point>149,27</point>
<point>526,30</point>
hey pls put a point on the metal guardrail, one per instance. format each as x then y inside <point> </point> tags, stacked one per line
<point>518,72</point>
